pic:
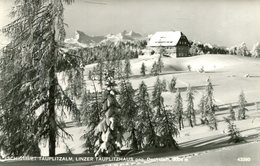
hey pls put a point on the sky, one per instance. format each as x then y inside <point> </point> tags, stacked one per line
<point>221,22</point>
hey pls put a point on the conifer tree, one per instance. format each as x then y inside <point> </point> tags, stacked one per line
<point>167,129</point>
<point>178,109</point>
<point>157,99</point>
<point>135,54</point>
<point>109,129</point>
<point>154,69</point>
<point>232,113</point>
<point>209,109</point>
<point>143,69</point>
<point>84,106</point>
<point>90,75</point>
<point>202,109</point>
<point>127,68</point>
<point>256,50</point>
<point>172,84</point>
<point>233,132</point>
<point>107,67</point>
<point>90,110</point>
<point>100,71</point>
<point>189,67</point>
<point>28,77</point>
<point>145,125</point>
<point>160,64</point>
<point>164,85</point>
<point>243,50</point>
<point>94,73</point>
<point>162,52</point>
<point>119,69</point>
<point>76,84</point>
<point>242,106</point>
<point>190,107</point>
<point>90,118</point>
<point>129,112</point>
<point>165,120</point>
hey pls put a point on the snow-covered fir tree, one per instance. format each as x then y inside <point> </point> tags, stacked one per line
<point>242,50</point>
<point>209,107</point>
<point>201,110</point>
<point>242,106</point>
<point>164,118</point>
<point>28,67</point>
<point>189,67</point>
<point>127,68</point>
<point>172,84</point>
<point>143,69</point>
<point>167,128</point>
<point>94,73</point>
<point>160,64</point>
<point>107,67</point>
<point>232,113</point>
<point>164,85</point>
<point>162,52</point>
<point>145,124</point>
<point>178,109</point>
<point>157,96</point>
<point>129,112</point>
<point>119,69</point>
<point>90,109</point>
<point>90,75</point>
<point>232,50</point>
<point>154,69</point>
<point>256,50</point>
<point>109,128</point>
<point>195,49</point>
<point>76,84</point>
<point>190,111</point>
<point>233,132</point>
<point>100,72</point>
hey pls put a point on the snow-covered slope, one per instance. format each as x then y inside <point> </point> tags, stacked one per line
<point>226,90</point>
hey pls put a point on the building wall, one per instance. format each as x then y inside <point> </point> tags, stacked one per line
<point>182,51</point>
<point>183,46</point>
<point>178,51</point>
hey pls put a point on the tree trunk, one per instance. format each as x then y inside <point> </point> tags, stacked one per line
<point>134,140</point>
<point>194,119</point>
<point>191,125</point>
<point>52,116</point>
<point>154,139</point>
<point>182,123</point>
<point>172,143</point>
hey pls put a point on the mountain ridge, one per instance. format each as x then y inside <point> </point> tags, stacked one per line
<point>83,40</point>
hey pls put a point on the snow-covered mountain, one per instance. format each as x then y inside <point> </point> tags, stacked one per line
<point>83,40</point>
<point>133,34</point>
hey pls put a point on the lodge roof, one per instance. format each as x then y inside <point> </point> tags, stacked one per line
<point>166,38</point>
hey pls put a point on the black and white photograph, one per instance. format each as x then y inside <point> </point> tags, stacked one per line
<point>130,82</point>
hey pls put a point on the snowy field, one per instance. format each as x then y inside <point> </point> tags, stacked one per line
<point>199,145</point>
<point>227,72</point>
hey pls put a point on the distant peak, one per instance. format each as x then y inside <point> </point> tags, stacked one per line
<point>81,37</point>
<point>133,34</point>
<point>124,32</point>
